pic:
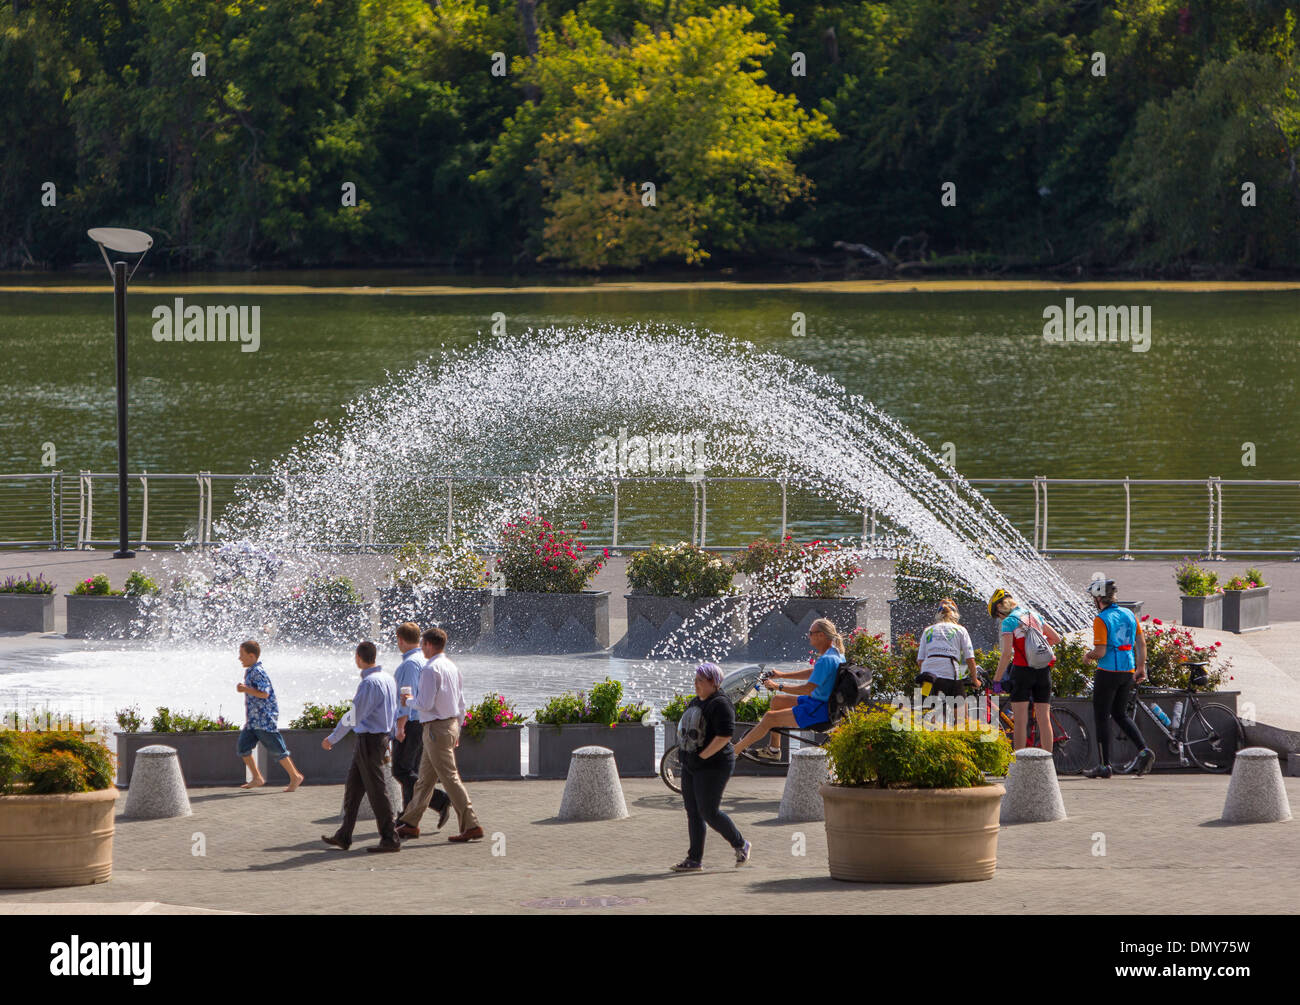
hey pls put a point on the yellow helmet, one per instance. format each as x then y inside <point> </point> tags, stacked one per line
<point>999,595</point>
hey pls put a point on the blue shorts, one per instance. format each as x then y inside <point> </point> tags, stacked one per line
<point>271,740</point>
<point>808,711</point>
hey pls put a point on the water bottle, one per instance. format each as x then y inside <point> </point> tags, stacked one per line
<point>1178,714</point>
<point>1159,713</point>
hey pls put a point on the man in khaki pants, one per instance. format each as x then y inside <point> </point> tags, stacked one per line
<point>442,707</point>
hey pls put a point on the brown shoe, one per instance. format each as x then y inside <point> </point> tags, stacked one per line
<point>473,834</point>
<point>330,839</point>
<point>407,831</point>
<point>381,847</point>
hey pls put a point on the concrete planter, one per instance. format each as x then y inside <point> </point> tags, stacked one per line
<point>532,623</point>
<point>466,615</point>
<point>110,617</point>
<point>1203,612</point>
<point>744,766</point>
<point>1121,749</point>
<point>1245,610</point>
<point>323,623</point>
<point>549,748</point>
<point>206,758</point>
<point>782,633</point>
<point>64,840</point>
<point>908,616</point>
<point>912,835</point>
<point>1133,605</point>
<point>26,612</point>
<point>318,765</point>
<point>715,627</point>
<point>497,753</point>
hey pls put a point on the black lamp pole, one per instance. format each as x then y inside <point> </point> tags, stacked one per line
<point>119,311</point>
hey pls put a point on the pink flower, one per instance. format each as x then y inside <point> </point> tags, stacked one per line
<point>1157,621</point>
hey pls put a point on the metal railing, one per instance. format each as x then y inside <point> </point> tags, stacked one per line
<point>1093,516</point>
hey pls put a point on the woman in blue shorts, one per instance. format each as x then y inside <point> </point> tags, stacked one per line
<point>798,706</point>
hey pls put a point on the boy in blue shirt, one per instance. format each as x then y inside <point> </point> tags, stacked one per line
<point>261,719</point>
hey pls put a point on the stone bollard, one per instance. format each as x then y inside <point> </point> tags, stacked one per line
<point>801,802</point>
<point>367,812</point>
<point>592,791</point>
<point>1256,793</point>
<point>157,786</point>
<point>1033,794</point>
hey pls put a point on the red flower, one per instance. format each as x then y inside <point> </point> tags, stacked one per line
<point>1157,621</point>
<point>583,525</point>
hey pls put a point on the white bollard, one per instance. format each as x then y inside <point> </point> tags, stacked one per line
<point>592,790</point>
<point>801,802</point>
<point>1033,794</point>
<point>157,786</point>
<point>1256,792</point>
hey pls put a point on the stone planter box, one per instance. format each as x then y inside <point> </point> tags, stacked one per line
<point>318,766</point>
<point>26,612</point>
<point>535,623</point>
<point>497,753</point>
<point>1203,612</point>
<point>206,758</point>
<point>322,624</point>
<point>911,835</point>
<point>1121,749</point>
<point>466,615</point>
<point>1133,605</point>
<point>549,748</point>
<point>715,627</point>
<point>1245,610</point>
<point>909,616</point>
<point>782,633</point>
<point>109,617</point>
<point>64,840</point>
<point>744,766</point>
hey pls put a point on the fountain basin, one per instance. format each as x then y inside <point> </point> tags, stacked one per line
<point>674,627</point>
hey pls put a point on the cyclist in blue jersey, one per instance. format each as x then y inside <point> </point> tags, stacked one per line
<point>1120,652</point>
<point>798,706</point>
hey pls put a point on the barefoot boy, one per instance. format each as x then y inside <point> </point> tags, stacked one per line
<point>261,713</point>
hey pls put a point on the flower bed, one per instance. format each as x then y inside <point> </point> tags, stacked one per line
<point>570,721</point>
<point>205,747</point>
<point>1245,603</point>
<point>26,604</point>
<point>491,739</point>
<point>96,611</point>
<point>1201,596</point>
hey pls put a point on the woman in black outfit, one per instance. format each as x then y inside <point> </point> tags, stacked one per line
<point>707,760</point>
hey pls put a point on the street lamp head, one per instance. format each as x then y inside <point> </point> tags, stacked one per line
<point>131,242</point>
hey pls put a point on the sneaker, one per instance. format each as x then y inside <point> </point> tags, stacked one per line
<point>1100,771</point>
<point>766,753</point>
<point>1144,761</point>
<point>688,865</point>
<point>742,854</point>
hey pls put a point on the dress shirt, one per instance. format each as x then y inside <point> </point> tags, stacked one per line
<point>407,674</point>
<point>440,696</point>
<point>374,709</point>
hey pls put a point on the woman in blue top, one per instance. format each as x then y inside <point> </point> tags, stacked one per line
<point>798,706</point>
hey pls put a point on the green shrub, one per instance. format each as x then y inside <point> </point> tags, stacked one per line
<point>1248,580</point>
<point>140,585</point>
<point>129,719</point>
<point>1193,581</point>
<point>493,712</point>
<point>166,721</point>
<point>328,590</point>
<point>753,709</point>
<point>600,706</point>
<point>1256,577</point>
<point>538,558</point>
<point>53,764</point>
<point>922,579</point>
<point>95,586</point>
<point>1071,674</point>
<point>816,569</point>
<point>892,750</point>
<point>452,565</point>
<point>1170,645</point>
<point>321,716</point>
<point>676,707</point>
<point>38,586</point>
<point>682,570</point>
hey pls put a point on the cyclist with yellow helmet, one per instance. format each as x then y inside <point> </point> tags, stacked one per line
<point>1026,681</point>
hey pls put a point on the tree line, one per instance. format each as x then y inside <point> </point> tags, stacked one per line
<point>912,135</point>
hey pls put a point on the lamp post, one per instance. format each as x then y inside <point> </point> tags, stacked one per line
<point>131,242</point>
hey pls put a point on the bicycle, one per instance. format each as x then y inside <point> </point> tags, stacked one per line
<point>1070,745</point>
<point>1209,733</point>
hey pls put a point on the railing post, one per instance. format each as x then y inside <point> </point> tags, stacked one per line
<point>198,479</point>
<point>782,509</point>
<point>1036,513</point>
<point>87,511</point>
<point>1043,479</point>
<point>695,512</point>
<point>1126,557</point>
<point>704,509</point>
<point>54,513</point>
<point>1209,534</point>
<point>449,520</point>
<point>614,542</point>
<point>1218,535</point>
<point>144,512</point>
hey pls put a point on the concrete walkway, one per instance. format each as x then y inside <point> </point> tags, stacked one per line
<point>1164,852</point>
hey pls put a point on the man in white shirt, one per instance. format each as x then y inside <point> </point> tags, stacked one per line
<point>441,704</point>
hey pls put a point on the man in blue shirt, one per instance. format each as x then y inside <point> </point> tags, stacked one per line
<point>374,711</point>
<point>261,719</point>
<point>408,746</point>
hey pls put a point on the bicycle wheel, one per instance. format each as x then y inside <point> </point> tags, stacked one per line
<point>670,769</point>
<point>1071,746</point>
<point>1213,737</point>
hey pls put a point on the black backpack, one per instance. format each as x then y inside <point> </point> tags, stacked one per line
<point>852,688</point>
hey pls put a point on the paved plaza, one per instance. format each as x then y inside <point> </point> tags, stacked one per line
<point>1164,850</point>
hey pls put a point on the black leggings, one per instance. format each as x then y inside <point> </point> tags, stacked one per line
<point>1111,690</point>
<point>702,791</point>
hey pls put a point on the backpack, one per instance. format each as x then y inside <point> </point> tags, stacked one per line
<point>691,729</point>
<point>852,688</point>
<point>1038,652</point>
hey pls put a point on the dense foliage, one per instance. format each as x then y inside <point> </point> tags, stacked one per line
<point>814,569</point>
<point>166,721</point>
<point>325,716</point>
<point>679,570</point>
<point>895,750</point>
<point>1193,581</point>
<point>601,706</point>
<point>58,763</point>
<point>450,565</point>
<point>539,558</point>
<point>500,133</point>
<point>37,585</point>
<point>493,712</point>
